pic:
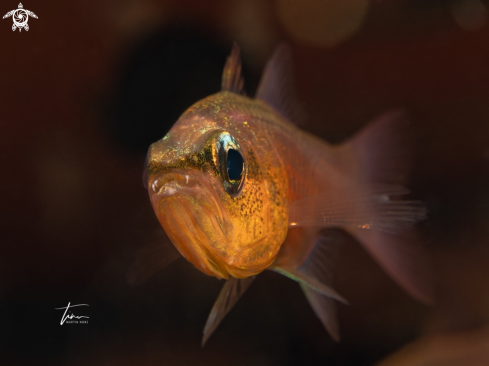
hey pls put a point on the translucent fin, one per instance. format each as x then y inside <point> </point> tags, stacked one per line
<point>232,79</point>
<point>232,290</point>
<point>381,150</point>
<point>402,257</point>
<point>320,264</point>
<point>370,208</point>
<point>325,309</point>
<point>277,86</point>
<point>366,203</point>
<point>311,282</point>
<point>151,259</point>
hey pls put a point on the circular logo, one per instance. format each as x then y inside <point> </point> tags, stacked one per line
<point>20,18</point>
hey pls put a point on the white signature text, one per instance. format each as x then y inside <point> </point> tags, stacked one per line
<point>71,316</point>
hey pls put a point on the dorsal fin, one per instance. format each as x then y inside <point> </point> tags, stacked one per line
<point>277,86</point>
<point>232,79</point>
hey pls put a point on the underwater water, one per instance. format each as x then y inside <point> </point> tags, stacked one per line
<point>90,85</point>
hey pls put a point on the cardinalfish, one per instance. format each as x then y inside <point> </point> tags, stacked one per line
<point>239,188</point>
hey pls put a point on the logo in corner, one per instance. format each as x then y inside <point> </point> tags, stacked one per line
<point>71,318</point>
<point>20,17</point>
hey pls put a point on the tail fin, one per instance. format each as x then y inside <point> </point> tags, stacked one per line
<point>382,149</point>
<point>402,258</point>
<point>374,164</point>
<point>382,152</point>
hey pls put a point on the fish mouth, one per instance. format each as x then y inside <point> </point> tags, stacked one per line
<point>189,210</point>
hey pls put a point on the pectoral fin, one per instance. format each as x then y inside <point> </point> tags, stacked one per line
<point>151,259</point>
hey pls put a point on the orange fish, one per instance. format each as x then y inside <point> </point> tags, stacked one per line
<point>240,188</point>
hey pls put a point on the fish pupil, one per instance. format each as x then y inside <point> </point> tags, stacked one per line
<point>235,164</point>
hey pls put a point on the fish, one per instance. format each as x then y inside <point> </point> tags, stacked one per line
<point>240,188</point>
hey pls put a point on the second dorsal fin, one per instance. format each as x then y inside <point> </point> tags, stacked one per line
<point>232,79</point>
<point>277,86</point>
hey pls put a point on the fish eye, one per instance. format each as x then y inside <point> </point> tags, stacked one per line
<point>231,163</point>
<point>235,164</point>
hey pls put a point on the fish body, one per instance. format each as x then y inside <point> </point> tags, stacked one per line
<point>239,188</point>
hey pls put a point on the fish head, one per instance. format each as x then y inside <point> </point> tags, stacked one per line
<point>219,190</point>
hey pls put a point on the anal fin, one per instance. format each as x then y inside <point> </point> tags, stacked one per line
<point>325,309</point>
<point>310,282</point>
<point>314,275</point>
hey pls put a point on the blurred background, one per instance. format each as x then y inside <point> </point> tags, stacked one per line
<point>91,84</point>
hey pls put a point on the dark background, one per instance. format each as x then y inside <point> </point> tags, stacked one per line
<point>91,84</point>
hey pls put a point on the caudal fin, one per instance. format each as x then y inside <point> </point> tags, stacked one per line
<point>368,203</point>
<point>382,152</point>
<point>382,149</point>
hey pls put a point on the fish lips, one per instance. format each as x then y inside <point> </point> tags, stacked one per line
<point>189,209</point>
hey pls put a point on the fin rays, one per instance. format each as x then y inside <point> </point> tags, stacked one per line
<point>277,86</point>
<point>232,79</point>
<point>315,274</point>
<point>232,290</point>
<point>151,259</point>
<point>311,282</point>
<point>367,205</point>
<point>372,209</point>
<point>325,309</point>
